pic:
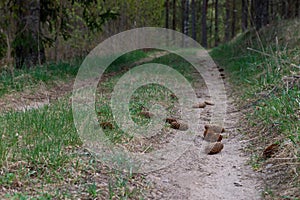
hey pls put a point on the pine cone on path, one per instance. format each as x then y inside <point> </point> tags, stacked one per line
<point>179,125</point>
<point>214,148</point>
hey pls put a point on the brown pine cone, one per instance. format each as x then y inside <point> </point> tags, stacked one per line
<point>199,105</point>
<point>214,148</point>
<point>146,114</point>
<point>213,137</point>
<point>270,150</point>
<point>214,128</point>
<point>180,126</point>
<point>170,120</point>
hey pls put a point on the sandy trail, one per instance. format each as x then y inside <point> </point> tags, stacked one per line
<point>198,176</point>
<point>194,175</point>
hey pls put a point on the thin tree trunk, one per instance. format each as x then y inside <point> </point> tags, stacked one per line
<point>272,11</point>
<point>233,19</point>
<point>297,6</point>
<point>186,20</point>
<point>29,50</point>
<point>193,20</point>
<point>211,18</point>
<point>265,12</point>
<point>244,15</point>
<point>252,15</point>
<point>182,15</point>
<point>284,11</point>
<point>167,13</point>
<point>227,18</point>
<point>203,23</point>
<point>174,15</point>
<point>57,31</point>
<point>216,23</point>
<point>258,14</point>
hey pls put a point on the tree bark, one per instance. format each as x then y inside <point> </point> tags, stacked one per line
<point>174,15</point>
<point>284,11</point>
<point>216,23</point>
<point>29,49</point>
<point>233,20</point>
<point>186,17</point>
<point>244,15</point>
<point>297,6</point>
<point>167,13</point>
<point>193,20</point>
<point>258,6</point>
<point>182,15</point>
<point>227,18</point>
<point>252,13</point>
<point>265,12</point>
<point>203,24</point>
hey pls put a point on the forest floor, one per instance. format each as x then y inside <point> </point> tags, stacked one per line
<point>194,175</point>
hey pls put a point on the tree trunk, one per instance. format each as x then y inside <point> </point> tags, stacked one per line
<point>252,13</point>
<point>203,23</point>
<point>186,17</point>
<point>211,18</point>
<point>167,14</point>
<point>29,50</point>
<point>174,16</point>
<point>216,23</point>
<point>193,20</point>
<point>182,15</point>
<point>57,31</point>
<point>233,19</point>
<point>227,18</point>
<point>265,12</point>
<point>297,6</point>
<point>244,15</point>
<point>259,7</point>
<point>284,11</point>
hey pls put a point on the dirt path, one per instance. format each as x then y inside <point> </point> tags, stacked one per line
<point>198,176</point>
<point>194,175</point>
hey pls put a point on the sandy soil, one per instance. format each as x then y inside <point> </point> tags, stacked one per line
<point>198,176</point>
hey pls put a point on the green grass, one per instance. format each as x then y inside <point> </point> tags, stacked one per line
<point>49,73</point>
<point>272,105</point>
<point>29,78</point>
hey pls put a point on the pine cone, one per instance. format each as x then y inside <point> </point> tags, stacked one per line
<point>214,148</point>
<point>214,128</point>
<point>270,150</point>
<point>170,120</point>
<point>199,105</point>
<point>213,137</point>
<point>146,114</point>
<point>180,126</point>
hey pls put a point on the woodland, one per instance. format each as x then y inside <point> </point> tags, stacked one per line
<point>255,154</point>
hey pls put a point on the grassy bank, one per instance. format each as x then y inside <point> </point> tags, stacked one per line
<point>264,70</point>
